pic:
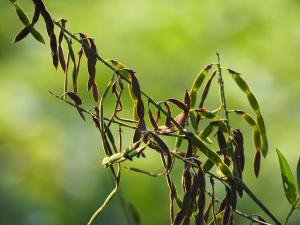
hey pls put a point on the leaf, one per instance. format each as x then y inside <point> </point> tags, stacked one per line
<point>288,182</point>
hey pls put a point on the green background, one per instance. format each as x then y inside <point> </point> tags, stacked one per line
<point>50,161</point>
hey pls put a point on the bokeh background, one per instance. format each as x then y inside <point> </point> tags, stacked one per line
<point>50,161</point>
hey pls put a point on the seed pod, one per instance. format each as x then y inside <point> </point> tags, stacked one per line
<point>168,122</point>
<point>76,99</point>
<point>255,106</point>
<point>253,124</point>
<point>257,163</point>
<point>201,199</point>
<point>178,103</point>
<point>75,77</point>
<point>187,99</point>
<point>21,35</point>
<point>95,92</point>
<point>221,140</point>
<point>92,60</point>
<point>197,84</point>
<point>60,51</point>
<point>164,150</point>
<point>152,120</point>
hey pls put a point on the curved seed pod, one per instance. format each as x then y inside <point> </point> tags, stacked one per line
<point>178,103</point>
<point>164,150</point>
<point>253,124</point>
<point>213,156</point>
<point>257,163</point>
<point>152,120</point>
<point>255,106</point>
<point>197,84</point>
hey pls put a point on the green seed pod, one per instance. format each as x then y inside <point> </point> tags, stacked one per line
<point>213,156</point>
<point>253,124</point>
<point>255,106</point>
<point>197,84</point>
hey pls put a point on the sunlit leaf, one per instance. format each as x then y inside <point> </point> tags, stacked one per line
<point>288,182</point>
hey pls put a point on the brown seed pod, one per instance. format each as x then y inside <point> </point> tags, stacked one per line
<point>257,163</point>
<point>76,99</point>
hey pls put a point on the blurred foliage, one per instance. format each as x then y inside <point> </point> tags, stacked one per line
<point>50,171</point>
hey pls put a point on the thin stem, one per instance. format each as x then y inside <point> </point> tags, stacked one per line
<point>291,211</point>
<point>223,99</point>
<point>260,204</point>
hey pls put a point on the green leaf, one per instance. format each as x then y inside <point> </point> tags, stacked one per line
<point>287,178</point>
<point>298,175</point>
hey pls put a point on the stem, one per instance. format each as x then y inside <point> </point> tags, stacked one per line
<point>223,99</point>
<point>260,204</point>
<point>291,211</point>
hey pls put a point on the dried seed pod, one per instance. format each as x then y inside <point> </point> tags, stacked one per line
<point>257,163</point>
<point>152,120</point>
<point>187,99</point>
<point>201,199</point>
<point>197,84</point>
<point>76,99</point>
<point>95,92</point>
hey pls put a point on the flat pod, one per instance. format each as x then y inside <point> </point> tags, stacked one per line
<point>197,84</point>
